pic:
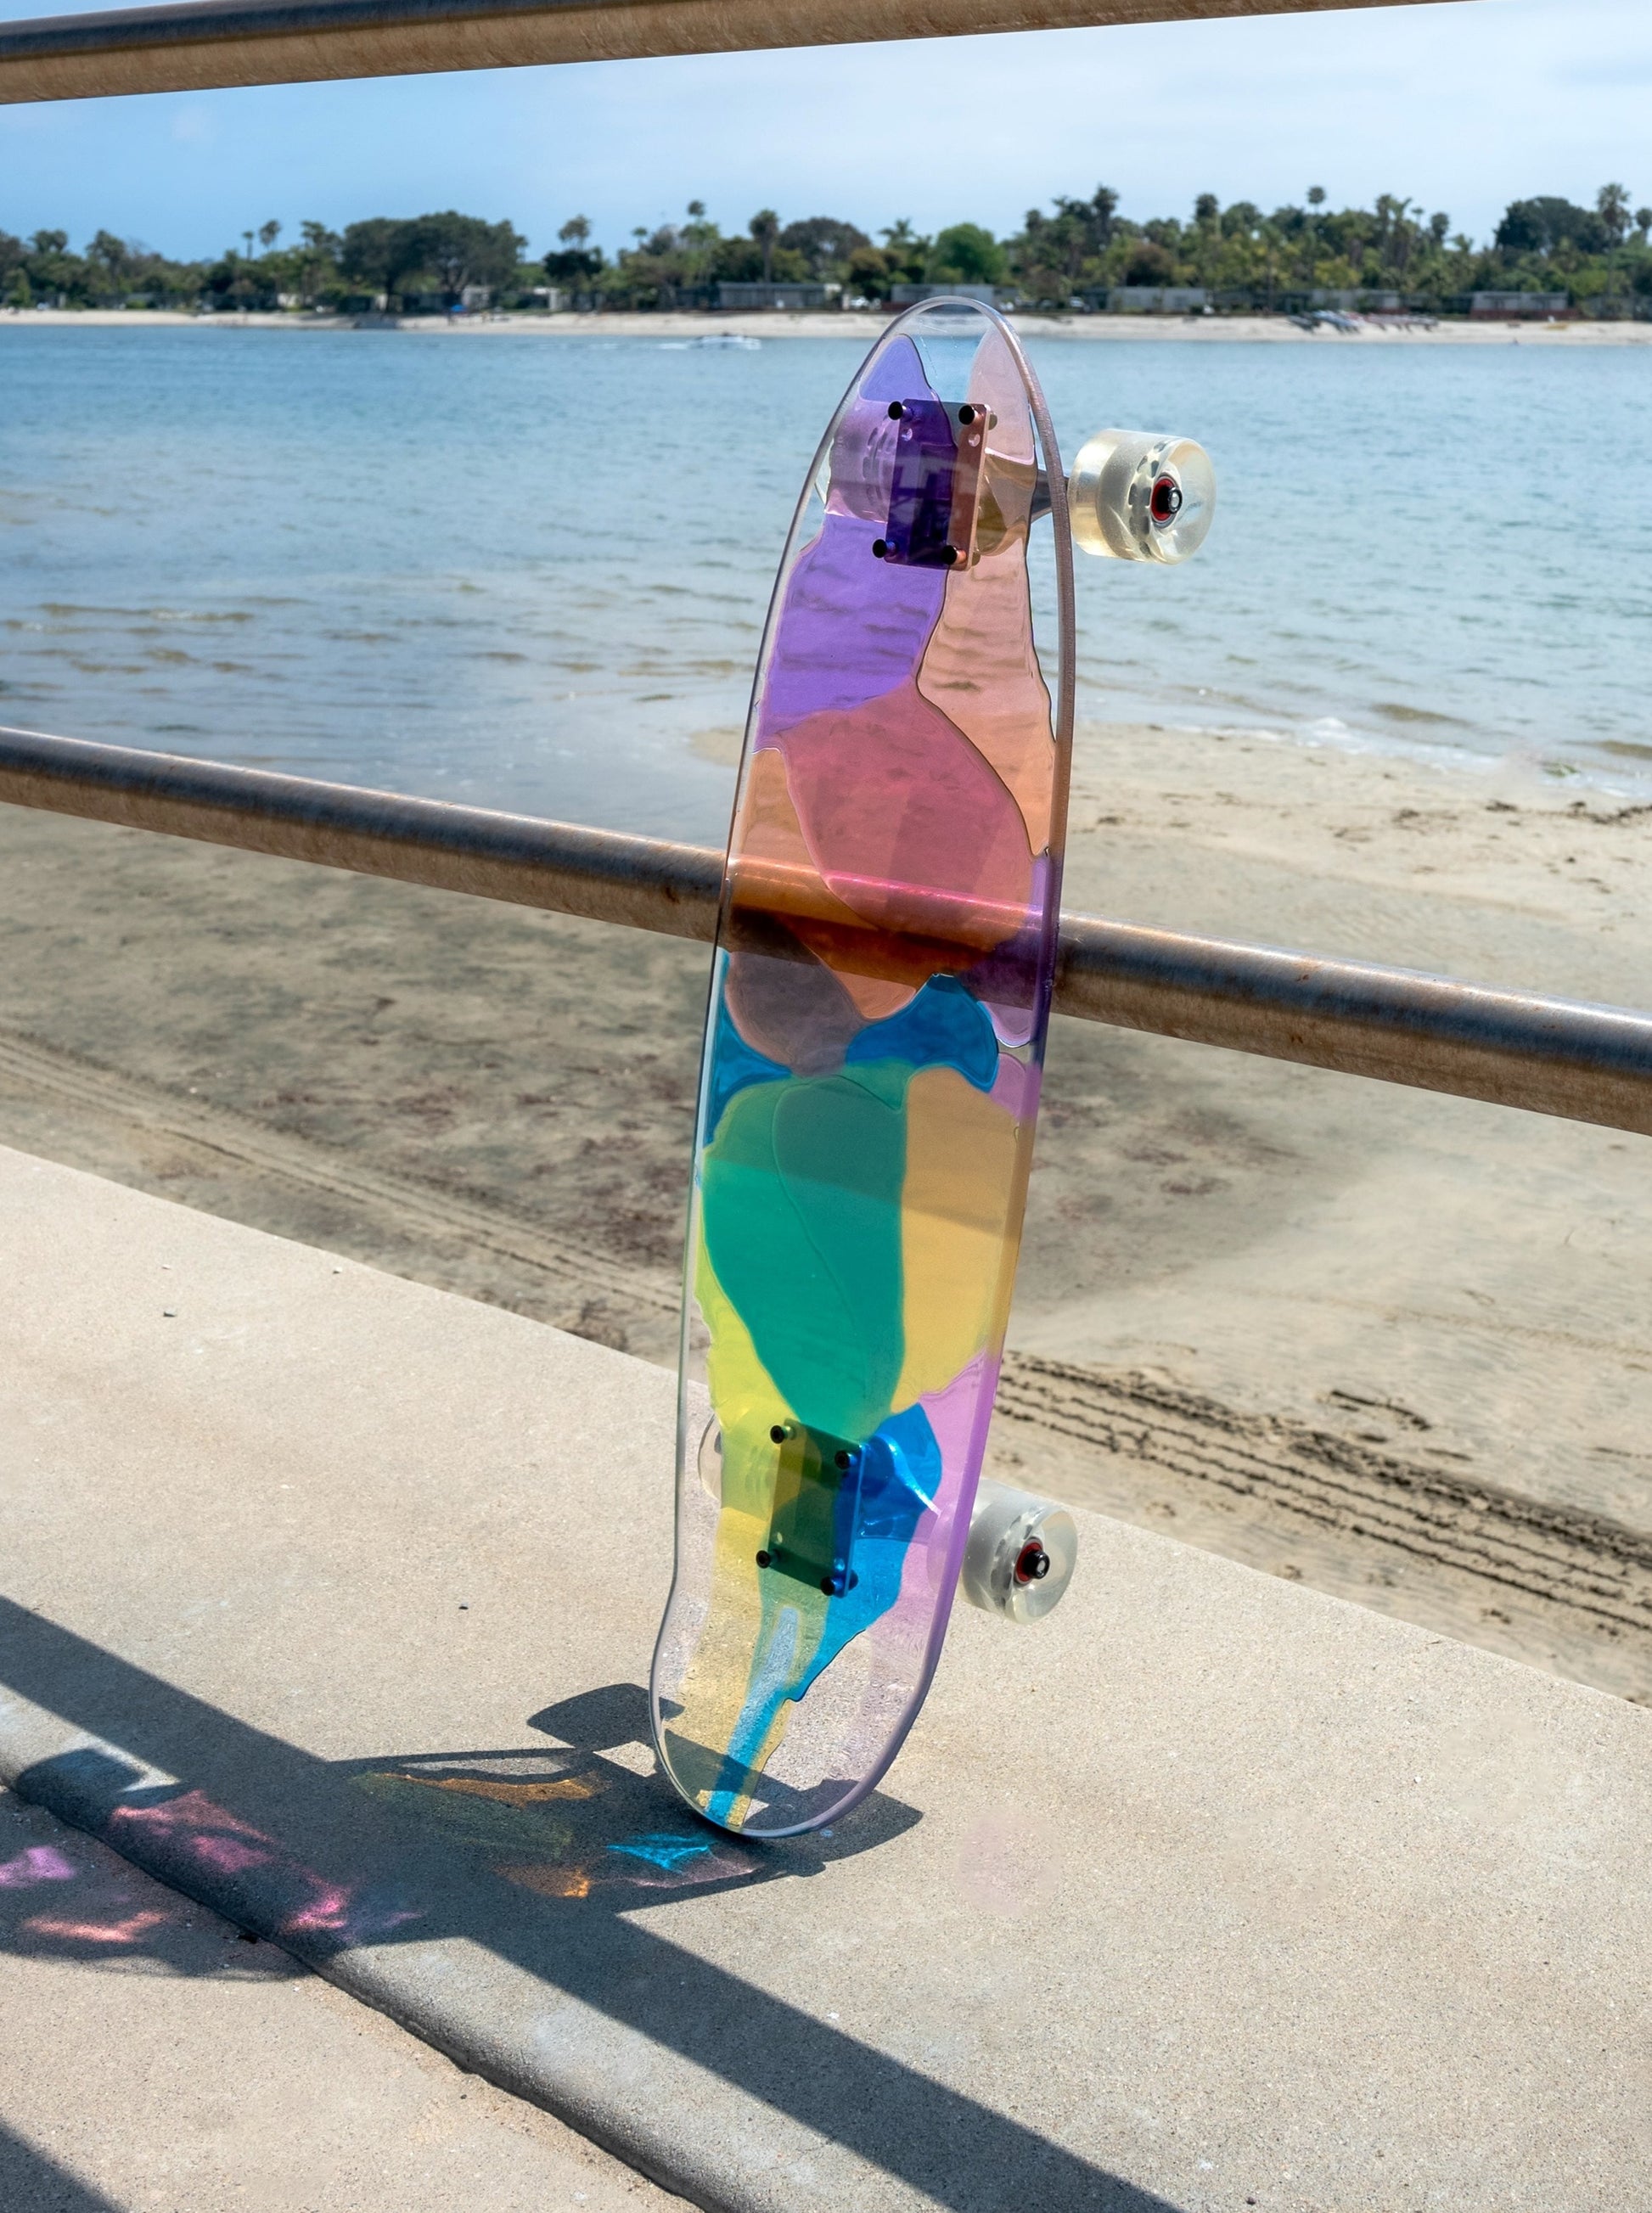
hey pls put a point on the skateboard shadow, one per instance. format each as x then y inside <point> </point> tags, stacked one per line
<point>553,1857</point>
<point>589,1820</point>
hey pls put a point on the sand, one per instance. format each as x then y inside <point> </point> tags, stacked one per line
<point>1392,1344</point>
<point>1131,330</point>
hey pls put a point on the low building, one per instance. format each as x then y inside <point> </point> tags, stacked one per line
<point>1157,300</point>
<point>1352,301</point>
<point>1504,304</point>
<point>908,295</point>
<point>792,299</point>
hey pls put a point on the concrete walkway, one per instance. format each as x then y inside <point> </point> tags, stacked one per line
<point>329,1600</point>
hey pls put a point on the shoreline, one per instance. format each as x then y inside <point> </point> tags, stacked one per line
<point>1131,330</point>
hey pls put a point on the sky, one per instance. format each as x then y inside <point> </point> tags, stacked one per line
<point>1461,106</point>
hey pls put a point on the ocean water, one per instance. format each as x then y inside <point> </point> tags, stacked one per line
<point>531,572</point>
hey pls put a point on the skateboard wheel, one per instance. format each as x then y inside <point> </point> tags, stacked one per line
<point>1141,495</point>
<point>1021,1553</point>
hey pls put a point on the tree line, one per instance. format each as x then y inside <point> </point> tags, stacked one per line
<point>1075,252</point>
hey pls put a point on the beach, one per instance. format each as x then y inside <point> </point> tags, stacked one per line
<point>1257,330</point>
<point>1390,1344</point>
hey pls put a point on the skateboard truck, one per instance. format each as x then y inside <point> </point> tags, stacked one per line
<point>1018,1561</point>
<point>1137,496</point>
<point>924,468</point>
<point>816,1508</point>
<point>939,448</point>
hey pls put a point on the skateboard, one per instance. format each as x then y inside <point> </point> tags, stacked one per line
<point>870,1084</point>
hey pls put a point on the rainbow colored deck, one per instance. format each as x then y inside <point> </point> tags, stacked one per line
<point>870,1085</point>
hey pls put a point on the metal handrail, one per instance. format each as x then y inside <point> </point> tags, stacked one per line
<point>1587,1064</point>
<point>211,42</point>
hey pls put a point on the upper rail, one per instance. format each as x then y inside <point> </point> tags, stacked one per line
<point>1588,1064</point>
<point>209,43</point>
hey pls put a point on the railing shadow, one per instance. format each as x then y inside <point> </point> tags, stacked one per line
<point>30,2182</point>
<point>550,1857</point>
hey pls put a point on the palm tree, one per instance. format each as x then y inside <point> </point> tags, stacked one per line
<point>765,228</point>
<point>1612,204</point>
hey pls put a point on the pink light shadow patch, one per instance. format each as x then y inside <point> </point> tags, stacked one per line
<point>194,1829</point>
<point>39,1864</point>
<point>128,1931</point>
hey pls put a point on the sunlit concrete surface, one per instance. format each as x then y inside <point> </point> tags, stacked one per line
<point>153,2055</point>
<point>329,1599</point>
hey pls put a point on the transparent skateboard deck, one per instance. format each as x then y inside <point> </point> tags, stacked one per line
<point>870,1080</point>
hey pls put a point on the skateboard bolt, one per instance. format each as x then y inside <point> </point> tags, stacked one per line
<point>763,1558</point>
<point>1031,1563</point>
<point>896,411</point>
<point>879,547</point>
<point>948,555</point>
<point>829,1585</point>
<point>967,414</point>
<point>778,1434</point>
<point>842,1458</point>
<point>1166,503</point>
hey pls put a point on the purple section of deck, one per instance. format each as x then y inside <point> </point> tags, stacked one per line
<point>846,632</point>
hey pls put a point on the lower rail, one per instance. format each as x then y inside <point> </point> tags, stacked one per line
<point>1562,1057</point>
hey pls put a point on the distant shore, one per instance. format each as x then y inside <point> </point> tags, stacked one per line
<point>1264,330</point>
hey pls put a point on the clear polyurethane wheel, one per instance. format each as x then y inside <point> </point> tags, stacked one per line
<point>1141,495</point>
<point>1021,1554</point>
